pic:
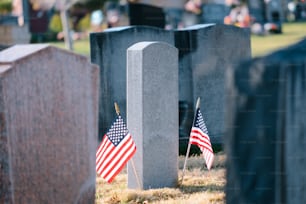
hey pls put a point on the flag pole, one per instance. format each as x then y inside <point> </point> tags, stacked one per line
<point>132,161</point>
<point>188,148</point>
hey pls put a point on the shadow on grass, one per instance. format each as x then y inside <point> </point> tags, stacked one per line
<point>195,189</point>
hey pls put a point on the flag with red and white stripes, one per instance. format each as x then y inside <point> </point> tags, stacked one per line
<point>199,136</point>
<point>116,149</point>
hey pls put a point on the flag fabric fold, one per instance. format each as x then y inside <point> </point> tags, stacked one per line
<point>199,136</point>
<point>116,149</point>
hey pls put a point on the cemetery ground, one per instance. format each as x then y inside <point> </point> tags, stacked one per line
<point>199,186</point>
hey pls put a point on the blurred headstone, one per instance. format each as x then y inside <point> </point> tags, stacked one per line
<point>152,108</point>
<point>144,14</point>
<point>14,34</point>
<point>205,55</point>
<point>49,109</point>
<point>8,20</point>
<point>182,42</point>
<point>266,123</point>
<point>108,49</point>
<point>2,47</point>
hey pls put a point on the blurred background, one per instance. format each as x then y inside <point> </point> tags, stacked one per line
<point>67,23</point>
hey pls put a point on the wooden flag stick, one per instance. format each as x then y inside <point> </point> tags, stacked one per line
<point>132,161</point>
<point>135,172</point>
<point>188,148</point>
<point>117,109</point>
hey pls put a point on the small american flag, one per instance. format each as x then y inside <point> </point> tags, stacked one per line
<point>116,149</point>
<point>199,136</point>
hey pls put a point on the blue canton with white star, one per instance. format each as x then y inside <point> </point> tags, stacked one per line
<point>199,122</point>
<point>118,131</point>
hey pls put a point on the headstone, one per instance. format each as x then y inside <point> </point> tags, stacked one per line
<point>8,20</point>
<point>266,138</point>
<point>144,14</point>
<point>205,57</point>
<point>2,47</point>
<point>108,49</point>
<point>14,34</point>
<point>152,108</point>
<point>49,109</point>
<point>182,42</point>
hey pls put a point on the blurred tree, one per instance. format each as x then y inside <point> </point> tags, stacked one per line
<point>5,6</point>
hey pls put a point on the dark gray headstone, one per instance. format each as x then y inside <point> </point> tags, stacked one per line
<point>108,49</point>
<point>48,118</point>
<point>152,108</point>
<point>2,47</point>
<point>8,20</point>
<point>266,137</point>
<point>146,15</point>
<point>14,34</point>
<point>182,42</point>
<point>209,52</point>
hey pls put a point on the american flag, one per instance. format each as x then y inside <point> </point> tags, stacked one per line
<point>199,136</point>
<point>116,149</point>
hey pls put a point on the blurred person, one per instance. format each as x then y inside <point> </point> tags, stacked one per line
<point>193,11</point>
<point>18,11</point>
<point>239,16</point>
<point>112,14</point>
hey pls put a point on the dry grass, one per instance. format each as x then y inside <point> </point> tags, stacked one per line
<point>199,186</point>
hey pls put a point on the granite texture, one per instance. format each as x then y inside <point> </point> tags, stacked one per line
<point>152,114</point>
<point>211,50</point>
<point>48,119</point>
<point>108,50</point>
<point>265,144</point>
<point>205,53</point>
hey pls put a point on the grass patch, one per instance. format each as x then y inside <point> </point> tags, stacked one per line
<point>80,46</point>
<point>199,186</point>
<point>292,33</point>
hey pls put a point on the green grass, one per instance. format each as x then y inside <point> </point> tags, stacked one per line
<point>80,46</point>
<point>292,33</point>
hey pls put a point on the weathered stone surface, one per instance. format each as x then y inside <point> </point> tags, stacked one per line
<point>205,53</point>
<point>266,137</point>
<point>205,58</point>
<point>152,114</point>
<point>48,120</point>
<point>108,49</point>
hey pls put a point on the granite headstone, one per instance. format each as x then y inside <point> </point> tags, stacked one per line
<point>152,114</point>
<point>108,49</point>
<point>204,58</point>
<point>146,15</point>
<point>48,118</point>
<point>266,138</point>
